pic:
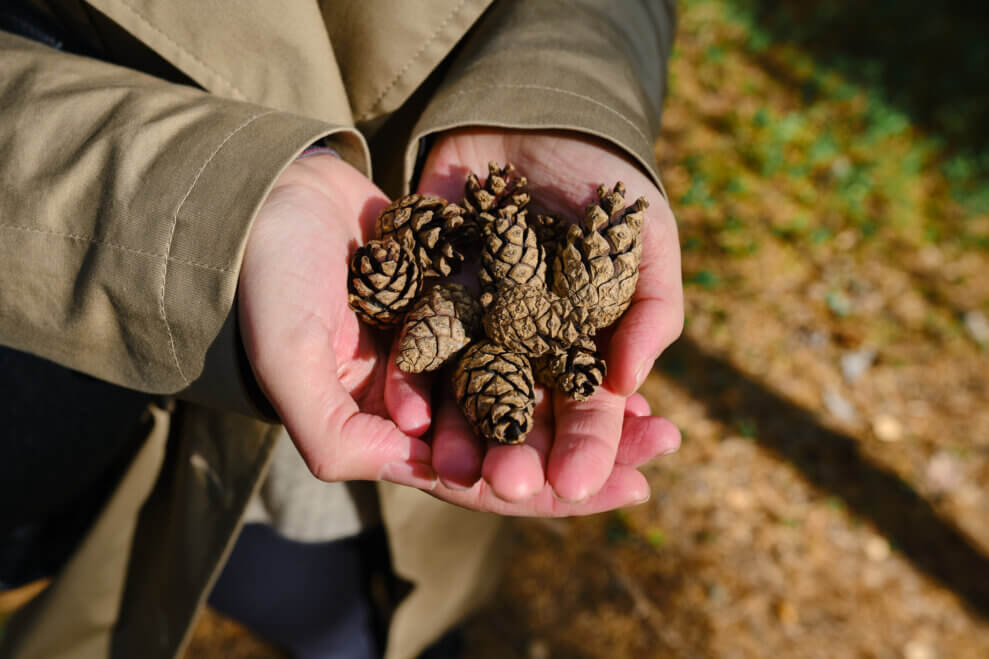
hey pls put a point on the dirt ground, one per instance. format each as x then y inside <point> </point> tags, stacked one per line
<point>829,498</point>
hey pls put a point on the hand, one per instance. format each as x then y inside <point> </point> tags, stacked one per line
<point>322,370</point>
<point>580,457</point>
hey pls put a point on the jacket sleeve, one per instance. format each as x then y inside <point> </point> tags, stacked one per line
<point>125,204</point>
<point>592,66</point>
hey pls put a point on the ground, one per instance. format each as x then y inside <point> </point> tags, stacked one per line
<point>831,186</point>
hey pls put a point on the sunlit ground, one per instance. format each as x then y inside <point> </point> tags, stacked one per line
<point>829,499</point>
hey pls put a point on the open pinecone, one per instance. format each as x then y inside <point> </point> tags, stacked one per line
<point>503,187</point>
<point>598,267</point>
<point>443,321</point>
<point>551,232</point>
<point>511,251</point>
<point>496,392</point>
<point>533,321</point>
<point>431,227</point>
<point>383,282</point>
<point>576,371</point>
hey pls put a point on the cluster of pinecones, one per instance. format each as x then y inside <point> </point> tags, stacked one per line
<point>546,288</point>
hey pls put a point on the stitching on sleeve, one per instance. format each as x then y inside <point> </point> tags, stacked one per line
<point>413,59</point>
<point>105,243</point>
<point>596,102</point>
<point>171,235</point>
<point>188,53</point>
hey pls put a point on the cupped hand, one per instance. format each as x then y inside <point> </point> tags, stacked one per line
<point>580,457</point>
<point>323,371</point>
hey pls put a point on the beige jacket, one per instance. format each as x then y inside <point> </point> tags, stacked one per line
<point>125,203</point>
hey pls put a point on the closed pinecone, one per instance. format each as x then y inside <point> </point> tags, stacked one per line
<point>577,371</point>
<point>598,266</point>
<point>532,320</point>
<point>496,392</point>
<point>503,187</point>
<point>441,323</point>
<point>431,227</point>
<point>511,252</point>
<point>383,282</point>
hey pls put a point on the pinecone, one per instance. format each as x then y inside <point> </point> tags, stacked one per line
<point>511,252</point>
<point>504,187</point>
<point>383,283</point>
<point>532,320</point>
<point>598,266</point>
<point>496,392</point>
<point>431,227</point>
<point>577,371</point>
<point>441,323</point>
<point>551,232</point>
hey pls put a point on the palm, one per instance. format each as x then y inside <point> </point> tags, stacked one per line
<point>584,453</point>
<point>322,370</point>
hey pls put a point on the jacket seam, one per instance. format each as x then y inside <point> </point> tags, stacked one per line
<point>631,124</point>
<point>105,243</point>
<point>141,17</point>
<point>171,236</point>
<point>405,69</point>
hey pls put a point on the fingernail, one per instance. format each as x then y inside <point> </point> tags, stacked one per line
<point>642,374</point>
<point>582,497</point>
<point>640,501</point>
<point>453,485</point>
<point>670,450</point>
<point>412,474</point>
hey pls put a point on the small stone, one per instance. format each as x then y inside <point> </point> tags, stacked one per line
<point>839,407</point>
<point>738,498</point>
<point>841,167</point>
<point>943,474</point>
<point>839,303</point>
<point>854,364</point>
<point>787,613</point>
<point>877,548</point>
<point>917,649</point>
<point>887,428</point>
<point>847,239</point>
<point>538,649</point>
<point>977,326</point>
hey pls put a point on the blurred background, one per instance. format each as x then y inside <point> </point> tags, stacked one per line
<point>828,162</point>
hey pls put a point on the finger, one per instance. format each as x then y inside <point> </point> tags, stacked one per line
<point>655,318</point>
<point>407,396</point>
<point>644,438</point>
<point>457,454</point>
<point>518,471</point>
<point>587,437</point>
<point>625,486</point>
<point>336,439</point>
<point>636,405</point>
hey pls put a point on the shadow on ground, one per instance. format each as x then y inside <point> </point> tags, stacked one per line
<point>832,461</point>
<point>931,59</point>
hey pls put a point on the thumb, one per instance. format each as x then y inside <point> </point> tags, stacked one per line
<point>340,442</point>
<point>336,439</point>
